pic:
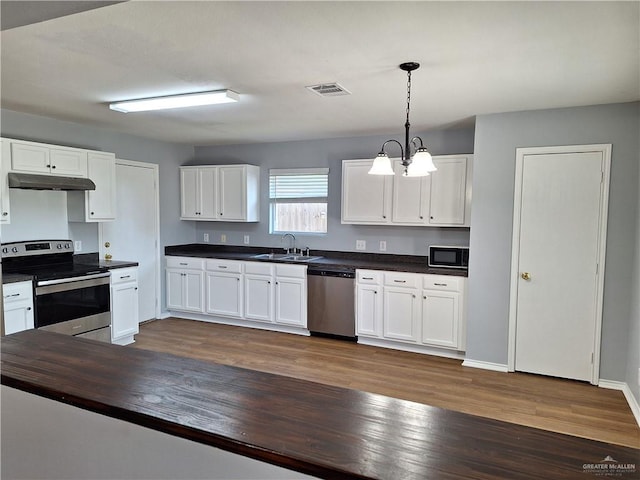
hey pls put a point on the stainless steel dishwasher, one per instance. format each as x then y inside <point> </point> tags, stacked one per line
<point>331,302</point>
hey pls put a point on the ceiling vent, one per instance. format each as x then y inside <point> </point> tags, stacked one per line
<point>329,90</point>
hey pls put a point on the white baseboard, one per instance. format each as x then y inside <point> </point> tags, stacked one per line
<point>496,367</point>
<point>164,314</point>
<point>624,387</point>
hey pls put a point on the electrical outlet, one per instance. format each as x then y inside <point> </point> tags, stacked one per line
<point>223,238</point>
<point>383,245</point>
<point>77,246</point>
<point>361,244</point>
<point>246,239</point>
<point>206,237</point>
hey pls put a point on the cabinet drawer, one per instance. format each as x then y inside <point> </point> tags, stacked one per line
<point>185,262</point>
<point>442,282</point>
<point>370,277</point>
<point>408,280</point>
<point>258,268</point>
<point>293,271</point>
<point>228,266</point>
<point>124,275</point>
<point>17,292</point>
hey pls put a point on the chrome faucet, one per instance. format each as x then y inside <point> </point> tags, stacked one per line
<point>292,243</point>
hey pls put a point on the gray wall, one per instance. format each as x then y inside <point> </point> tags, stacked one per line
<point>330,153</point>
<point>633,358</point>
<point>168,156</point>
<point>496,139</point>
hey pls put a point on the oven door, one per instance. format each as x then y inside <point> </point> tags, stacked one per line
<point>74,306</point>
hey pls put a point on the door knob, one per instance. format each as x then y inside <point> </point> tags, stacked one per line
<point>526,276</point>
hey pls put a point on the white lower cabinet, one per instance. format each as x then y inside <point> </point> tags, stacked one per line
<point>259,291</point>
<point>124,305</point>
<point>291,295</point>
<point>239,293</point>
<point>224,291</point>
<point>18,307</point>
<point>185,284</point>
<point>418,311</point>
<point>369,303</point>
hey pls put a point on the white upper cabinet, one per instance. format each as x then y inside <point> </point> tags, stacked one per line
<point>442,199</point>
<point>97,205</point>
<point>366,198</point>
<point>32,157</point>
<point>450,191</point>
<point>227,193</point>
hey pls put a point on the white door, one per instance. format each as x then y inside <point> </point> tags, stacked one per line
<point>558,261</point>
<point>133,235</point>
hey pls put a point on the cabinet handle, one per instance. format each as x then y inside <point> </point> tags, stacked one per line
<point>375,291</point>
<point>4,214</point>
<point>424,298</point>
<point>421,217</point>
<point>93,213</point>
<point>440,284</point>
<point>136,288</point>
<point>125,276</point>
<point>53,166</point>
<point>49,166</point>
<point>222,266</point>
<point>384,216</point>
<point>269,282</point>
<point>431,217</point>
<point>12,295</point>
<point>184,264</point>
<point>367,278</point>
<point>413,296</point>
<point>220,213</point>
<point>400,281</point>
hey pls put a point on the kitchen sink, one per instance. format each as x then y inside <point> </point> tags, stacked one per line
<point>272,256</point>
<point>284,256</point>
<point>299,258</point>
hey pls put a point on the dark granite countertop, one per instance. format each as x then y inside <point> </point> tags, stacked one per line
<point>344,261</point>
<point>94,260</point>
<point>15,277</point>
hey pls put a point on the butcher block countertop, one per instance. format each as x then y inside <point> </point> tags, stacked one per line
<point>320,430</point>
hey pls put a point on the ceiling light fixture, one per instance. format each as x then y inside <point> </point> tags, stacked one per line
<point>176,101</point>
<point>421,164</point>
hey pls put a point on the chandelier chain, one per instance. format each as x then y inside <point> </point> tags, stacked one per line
<point>408,94</point>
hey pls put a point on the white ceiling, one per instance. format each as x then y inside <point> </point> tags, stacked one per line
<point>477,58</point>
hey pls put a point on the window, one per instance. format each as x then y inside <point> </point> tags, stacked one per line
<point>298,200</point>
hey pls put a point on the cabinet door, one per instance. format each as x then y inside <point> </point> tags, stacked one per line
<point>369,310</point>
<point>5,166</point>
<point>189,195</point>
<point>175,290</point>
<point>208,193</point>
<point>440,318</point>
<point>193,291</point>
<point>101,202</point>
<point>18,316</point>
<point>291,301</point>
<point>124,310</point>
<point>410,198</point>
<point>401,314</point>
<point>366,198</point>
<point>232,193</point>
<point>224,294</point>
<point>29,158</point>
<point>69,162</point>
<point>258,298</point>
<point>448,191</point>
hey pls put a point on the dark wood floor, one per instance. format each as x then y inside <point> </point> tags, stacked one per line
<point>562,406</point>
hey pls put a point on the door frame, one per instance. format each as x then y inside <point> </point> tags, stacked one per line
<point>605,150</point>
<point>156,179</point>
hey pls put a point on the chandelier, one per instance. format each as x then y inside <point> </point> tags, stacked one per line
<point>420,163</point>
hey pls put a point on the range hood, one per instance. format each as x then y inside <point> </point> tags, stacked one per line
<point>27,181</point>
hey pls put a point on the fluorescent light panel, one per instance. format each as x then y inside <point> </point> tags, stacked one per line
<point>176,101</point>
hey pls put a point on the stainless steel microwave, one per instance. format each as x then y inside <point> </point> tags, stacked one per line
<point>448,256</point>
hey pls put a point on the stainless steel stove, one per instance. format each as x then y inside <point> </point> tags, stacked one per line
<point>69,298</point>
